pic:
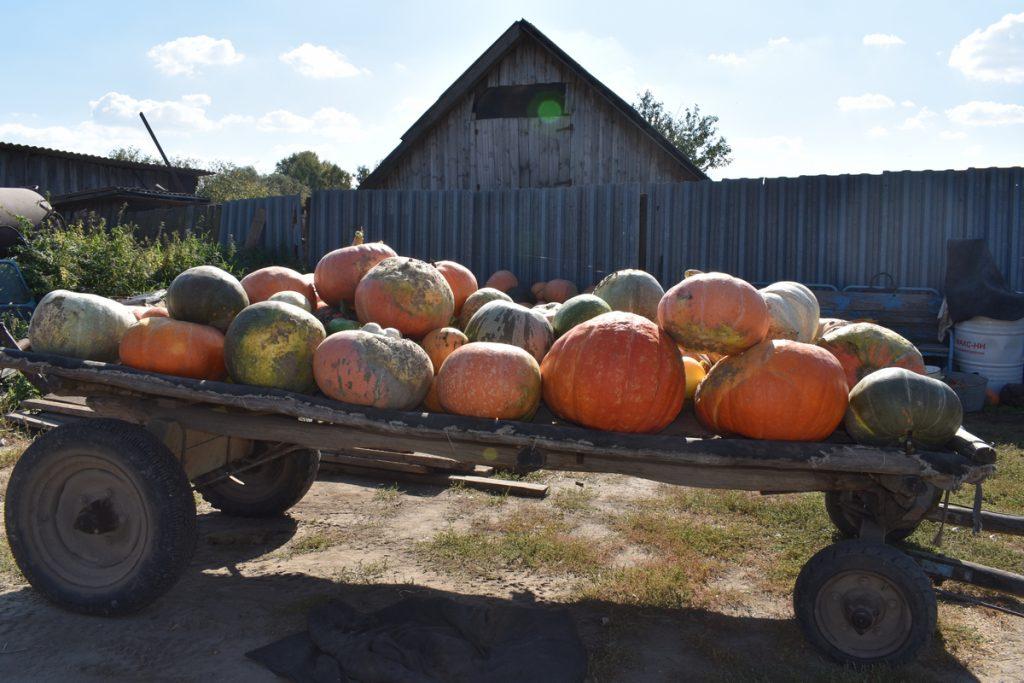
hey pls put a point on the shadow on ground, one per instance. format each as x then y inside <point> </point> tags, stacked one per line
<point>202,628</point>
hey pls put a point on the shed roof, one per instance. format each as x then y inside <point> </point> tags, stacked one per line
<point>520,30</point>
<point>132,194</point>
<point>92,158</point>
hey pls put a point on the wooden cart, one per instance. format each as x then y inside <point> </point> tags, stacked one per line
<point>101,517</point>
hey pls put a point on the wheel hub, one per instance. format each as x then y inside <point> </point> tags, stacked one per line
<point>863,613</point>
<point>98,517</point>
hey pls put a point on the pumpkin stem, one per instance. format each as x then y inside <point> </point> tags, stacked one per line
<point>358,239</point>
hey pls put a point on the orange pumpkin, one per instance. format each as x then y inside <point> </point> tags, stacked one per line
<point>559,291</point>
<point>617,372</point>
<point>441,343</point>
<point>491,380</point>
<point>372,370</point>
<point>714,312</point>
<point>778,389</point>
<point>260,285</point>
<point>460,279</point>
<point>174,347</point>
<point>695,374</point>
<point>431,403</point>
<point>537,290</point>
<point>502,280</point>
<point>409,295</point>
<point>338,273</point>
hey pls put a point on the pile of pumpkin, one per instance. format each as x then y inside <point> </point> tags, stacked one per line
<point>369,327</point>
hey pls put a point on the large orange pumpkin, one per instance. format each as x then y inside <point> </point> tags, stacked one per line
<point>441,343</point>
<point>260,285</point>
<point>502,280</point>
<point>617,372</point>
<point>409,295</point>
<point>460,279</point>
<point>778,389</point>
<point>174,347</point>
<point>863,348</point>
<point>338,273</point>
<point>559,290</point>
<point>714,312</point>
<point>372,370</point>
<point>492,380</point>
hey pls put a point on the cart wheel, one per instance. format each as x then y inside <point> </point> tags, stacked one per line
<point>864,603</point>
<point>846,509</point>
<point>100,517</point>
<point>268,490</point>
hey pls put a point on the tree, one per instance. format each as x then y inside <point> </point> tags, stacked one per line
<point>136,155</point>
<point>231,182</point>
<point>362,173</point>
<point>316,174</point>
<point>693,134</point>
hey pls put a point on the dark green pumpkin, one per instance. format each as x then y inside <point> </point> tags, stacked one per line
<point>576,310</point>
<point>892,405</point>
<point>505,322</point>
<point>206,295</point>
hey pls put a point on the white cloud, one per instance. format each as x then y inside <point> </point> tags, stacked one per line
<point>187,113</point>
<point>733,59</point>
<point>865,101</point>
<point>878,132</point>
<point>727,58</point>
<point>320,62</point>
<point>976,113</point>
<point>185,55</point>
<point>400,67</point>
<point>882,40</point>
<point>909,104</point>
<point>327,122</point>
<point>86,137</point>
<point>952,135</point>
<point>916,122</point>
<point>995,53</point>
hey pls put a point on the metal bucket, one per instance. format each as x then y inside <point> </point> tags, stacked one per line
<point>991,348</point>
<point>969,388</point>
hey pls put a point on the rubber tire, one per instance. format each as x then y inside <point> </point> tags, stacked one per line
<point>154,474</point>
<point>896,566</point>
<point>848,528</point>
<point>293,474</point>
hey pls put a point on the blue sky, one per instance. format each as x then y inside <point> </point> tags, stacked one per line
<point>800,88</point>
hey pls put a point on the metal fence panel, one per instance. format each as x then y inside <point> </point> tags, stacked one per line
<point>281,228</point>
<point>888,229</point>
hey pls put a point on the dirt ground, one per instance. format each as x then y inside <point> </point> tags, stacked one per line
<point>664,584</point>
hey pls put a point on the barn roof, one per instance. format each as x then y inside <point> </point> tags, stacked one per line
<point>520,30</point>
<point>92,158</point>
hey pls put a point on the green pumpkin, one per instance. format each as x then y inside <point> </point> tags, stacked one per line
<point>892,405</point>
<point>633,291</point>
<point>576,310</point>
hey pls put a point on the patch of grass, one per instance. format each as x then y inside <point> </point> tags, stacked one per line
<point>387,501</point>
<point>363,572</point>
<point>10,454</point>
<point>959,638</point>
<point>676,536</point>
<point>666,583</point>
<point>528,539</point>
<point>536,476</point>
<point>576,499</point>
<point>8,567</point>
<point>316,541</point>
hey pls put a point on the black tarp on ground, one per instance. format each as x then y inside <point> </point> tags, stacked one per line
<point>430,640</point>
<point>974,286</point>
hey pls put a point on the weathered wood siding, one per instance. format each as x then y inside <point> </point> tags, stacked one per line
<point>594,143</point>
<point>56,174</point>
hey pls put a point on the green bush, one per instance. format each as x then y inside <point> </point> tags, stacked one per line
<point>111,261</point>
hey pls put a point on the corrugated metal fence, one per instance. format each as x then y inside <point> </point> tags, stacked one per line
<point>838,230</point>
<point>271,223</point>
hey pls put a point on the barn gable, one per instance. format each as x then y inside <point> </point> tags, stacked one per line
<point>525,114</point>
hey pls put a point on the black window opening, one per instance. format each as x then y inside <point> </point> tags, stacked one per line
<point>539,100</point>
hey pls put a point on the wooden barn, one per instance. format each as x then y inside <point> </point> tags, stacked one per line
<point>526,114</point>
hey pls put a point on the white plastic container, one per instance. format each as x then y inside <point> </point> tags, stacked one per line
<point>991,348</point>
